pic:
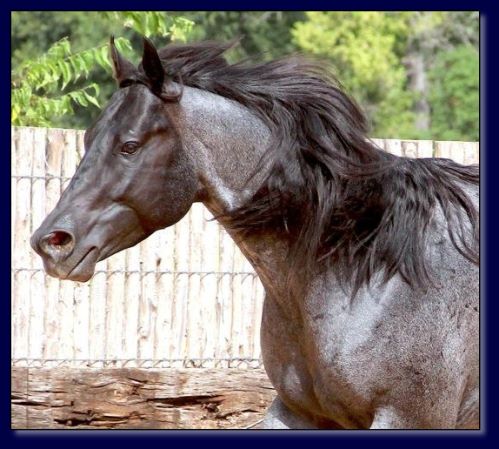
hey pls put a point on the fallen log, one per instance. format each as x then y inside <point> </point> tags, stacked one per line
<point>138,398</point>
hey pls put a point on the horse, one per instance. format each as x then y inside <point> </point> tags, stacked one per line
<point>369,261</point>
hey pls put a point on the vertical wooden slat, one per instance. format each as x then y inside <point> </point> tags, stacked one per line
<point>209,282</point>
<point>80,146</point>
<point>115,304</point>
<point>379,143</point>
<point>37,300</point>
<point>181,297</point>
<point>13,161</point>
<point>472,153</point>
<point>132,299</point>
<point>440,149</point>
<point>165,293</point>
<point>259,297</point>
<point>22,232</point>
<point>81,309</point>
<point>410,149</point>
<point>174,310</point>
<point>237,327</point>
<point>66,299</point>
<point>251,308</point>
<point>417,148</point>
<point>81,320</point>
<point>14,136</point>
<point>14,243</point>
<point>148,299</point>
<point>97,313</point>
<point>197,322</point>
<point>225,291</point>
<point>219,298</point>
<point>456,151</point>
<point>394,146</point>
<point>53,157</point>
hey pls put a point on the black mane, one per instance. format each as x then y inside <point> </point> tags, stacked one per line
<point>333,192</point>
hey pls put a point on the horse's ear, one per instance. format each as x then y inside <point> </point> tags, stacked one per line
<point>151,63</point>
<point>122,69</point>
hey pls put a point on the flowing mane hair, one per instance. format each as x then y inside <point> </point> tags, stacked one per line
<point>326,186</point>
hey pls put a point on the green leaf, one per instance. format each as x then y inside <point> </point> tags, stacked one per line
<point>104,51</point>
<point>66,74</point>
<point>37,84</point>
<point>91,99</point>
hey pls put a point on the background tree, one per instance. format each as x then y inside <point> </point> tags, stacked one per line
<point>60,87</point>
<point>263,34</point>
<point>414,73</point>
<point>454,94</point>
<point>432,36</point>
<point>364,49</point>
<point>385,59</point>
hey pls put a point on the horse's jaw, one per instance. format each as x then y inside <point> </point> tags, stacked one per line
<point>78,268</point>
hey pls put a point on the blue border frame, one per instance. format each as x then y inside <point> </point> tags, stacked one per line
<point>488,163</point>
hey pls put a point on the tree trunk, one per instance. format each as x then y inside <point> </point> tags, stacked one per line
<point>416,70</point>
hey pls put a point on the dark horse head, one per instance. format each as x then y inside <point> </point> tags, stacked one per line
<point>133,180</point>
<point>273,149</point>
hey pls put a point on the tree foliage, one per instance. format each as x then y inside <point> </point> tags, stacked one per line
<point>53,84</point>
<point>454,94</point>
<point>262,34</point>
<point>400,66</point>
<point>372,53</point>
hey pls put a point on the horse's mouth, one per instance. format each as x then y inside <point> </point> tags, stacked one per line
<point>81,271</point>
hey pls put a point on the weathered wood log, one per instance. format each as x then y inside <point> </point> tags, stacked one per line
<point>134,398</point>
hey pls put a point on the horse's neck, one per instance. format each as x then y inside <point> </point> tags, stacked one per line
<point>225,141</point>
<point>267,254</point>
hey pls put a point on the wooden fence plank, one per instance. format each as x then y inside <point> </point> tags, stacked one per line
<point>472,153</point>
<point>37,301</point>
<point>53,158</point>
<point>22,251</point>
<point>179,332</point>
<point>81,309</point>
<point>164,264</point>
<point>226,293</point>
<point>148,300</point>
<point>462,152</point>
<point>196,318</point>
<point>132,300</point>
<point>14,136</point>
<point>394,146</point>
<point>208,299</point>
<point>115,305</point>
<point>417,148</point>
<point>97,320</point>
<point>14,329</point>
<point>66,290</point>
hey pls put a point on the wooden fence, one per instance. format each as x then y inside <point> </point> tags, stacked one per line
<point>185,297</point>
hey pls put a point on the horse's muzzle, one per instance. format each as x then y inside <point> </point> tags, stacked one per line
<point>60,257</point>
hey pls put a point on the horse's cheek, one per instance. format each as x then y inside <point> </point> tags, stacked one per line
<point>171,197</point>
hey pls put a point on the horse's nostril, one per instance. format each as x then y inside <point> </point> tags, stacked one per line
<point>59,238</point>
<point>58,243</point>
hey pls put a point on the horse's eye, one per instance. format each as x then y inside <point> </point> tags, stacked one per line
<point>129,148</point>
